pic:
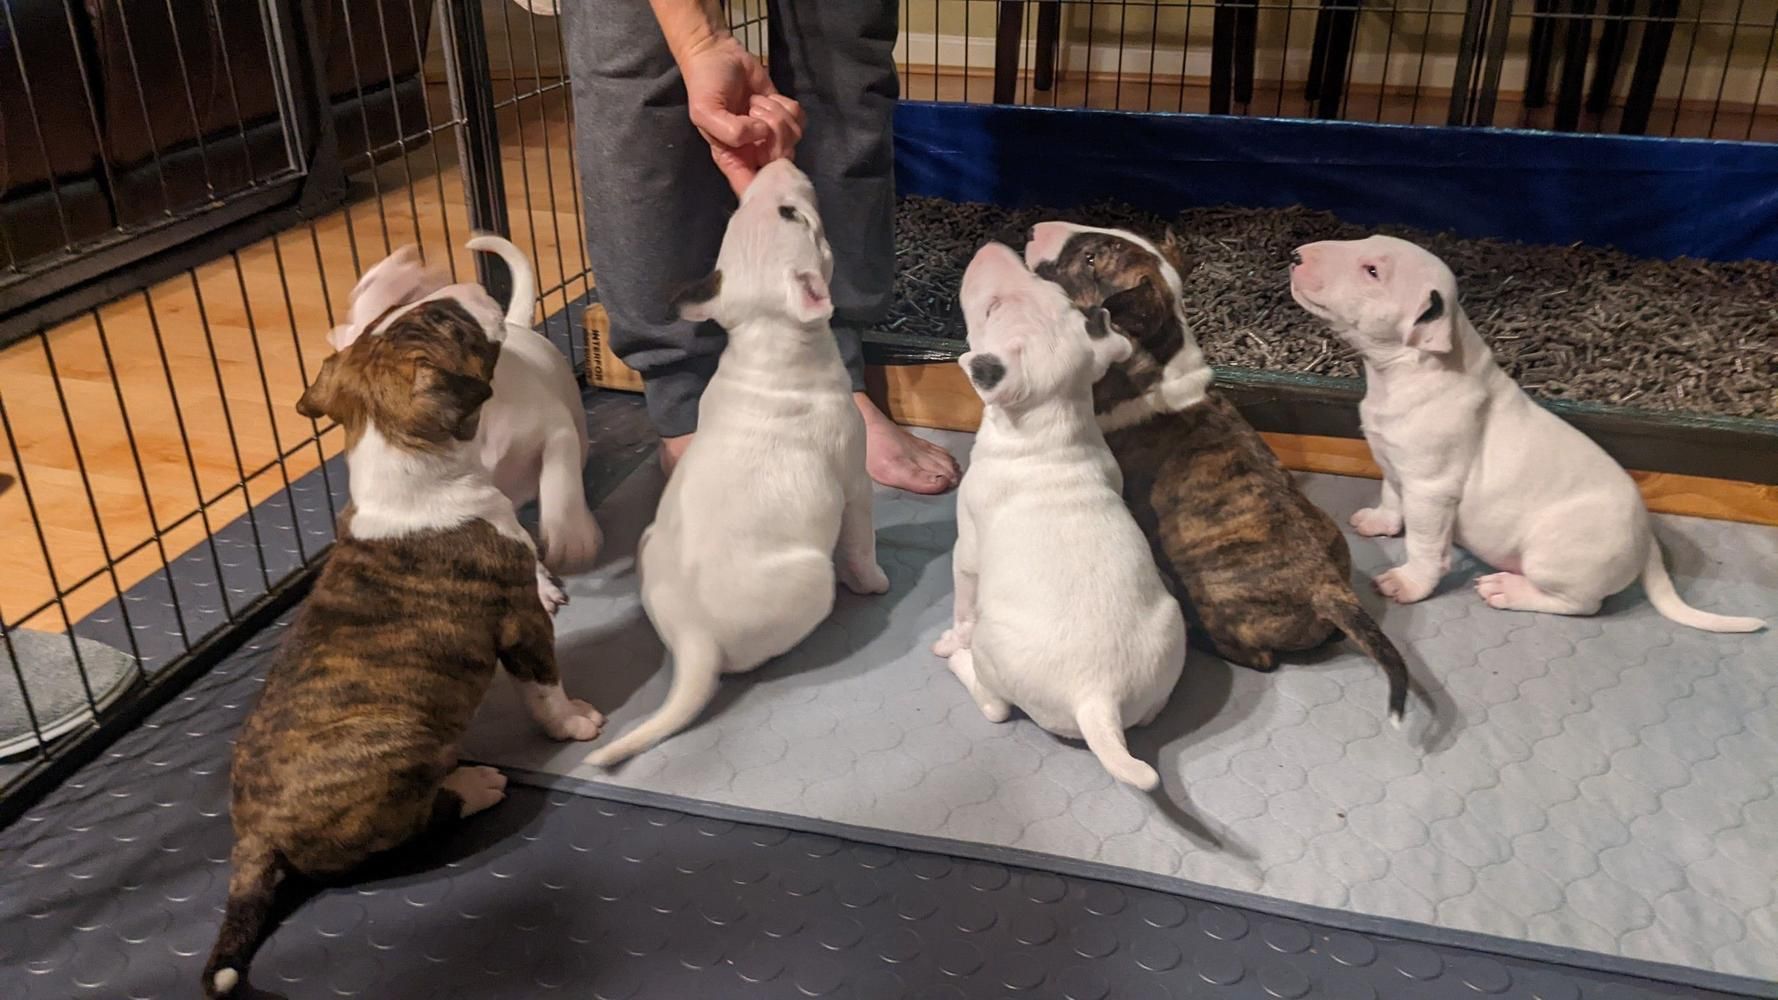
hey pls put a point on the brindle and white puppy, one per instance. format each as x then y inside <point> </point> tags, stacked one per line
<point>351,748</point>
<point>1260,569</point>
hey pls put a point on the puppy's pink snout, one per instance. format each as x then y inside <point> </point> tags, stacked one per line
<point>1045,244</point>
<point>1302,268</point>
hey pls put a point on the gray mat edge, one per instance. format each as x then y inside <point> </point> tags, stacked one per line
<point>1406,930</point>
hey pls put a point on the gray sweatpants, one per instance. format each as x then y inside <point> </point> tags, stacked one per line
<point>656,205</point>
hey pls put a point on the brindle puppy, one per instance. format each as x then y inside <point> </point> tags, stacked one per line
<point>1259,569</point>
<point>351,748</point>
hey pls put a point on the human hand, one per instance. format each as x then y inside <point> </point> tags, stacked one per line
<point>734,106</point>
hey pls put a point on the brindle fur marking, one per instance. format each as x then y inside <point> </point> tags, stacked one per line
<point>1258,568</point>
<point>390,655</point>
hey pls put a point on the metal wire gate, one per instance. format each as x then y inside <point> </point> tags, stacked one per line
<point>187,188</point>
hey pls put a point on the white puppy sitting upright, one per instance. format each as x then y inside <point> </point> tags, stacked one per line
<point>739,564</point>
<point>1468,456</point>
<point>1060,609</point>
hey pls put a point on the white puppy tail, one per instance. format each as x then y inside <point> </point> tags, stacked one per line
<point>697,667</point>
<point>524,280</point>
<point>1103,728</point>
<point>1659,587</point>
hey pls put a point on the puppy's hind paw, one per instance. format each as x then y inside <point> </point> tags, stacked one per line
<point>867,580</point>
<point>478,787</point>
<point>1375,522</point>
<point>1403,586</point>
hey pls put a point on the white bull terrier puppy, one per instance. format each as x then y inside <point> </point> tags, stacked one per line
<point>739,564</point>
<point>1468,457</point>
<point>533,434</point>
<point>1060,609</point>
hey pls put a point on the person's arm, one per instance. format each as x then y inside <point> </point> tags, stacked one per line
<point>730,96</point>
<point>690,25</point>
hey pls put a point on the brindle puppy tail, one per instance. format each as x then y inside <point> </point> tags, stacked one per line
<point>251,888</point>
<point>1341,609</point>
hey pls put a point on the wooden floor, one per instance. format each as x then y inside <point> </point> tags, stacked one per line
<point>169,411</point>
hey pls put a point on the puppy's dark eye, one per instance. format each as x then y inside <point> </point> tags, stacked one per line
<point>1371,269</point>
<point>1092,258</point>
<point>788,214</point>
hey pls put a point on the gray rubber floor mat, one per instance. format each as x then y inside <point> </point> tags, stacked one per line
<point>114,886</point>
<point>1601,784</point>
<point>62,682</point>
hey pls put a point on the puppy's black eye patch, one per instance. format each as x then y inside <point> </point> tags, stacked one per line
<point>986,370</point>
<point>1435,307</point>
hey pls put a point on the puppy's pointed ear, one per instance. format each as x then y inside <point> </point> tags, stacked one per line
<point>810,300</point>
<point>696,302</point>
<point>998,376</point>
<point>1173,252</point>
<point>322,397</point>
<point>1433,326</point>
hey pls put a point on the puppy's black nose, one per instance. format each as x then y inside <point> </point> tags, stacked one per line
<point>1296,259</point>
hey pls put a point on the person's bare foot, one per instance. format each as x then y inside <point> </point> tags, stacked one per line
<point>897,459</point>
<point>892,455</point>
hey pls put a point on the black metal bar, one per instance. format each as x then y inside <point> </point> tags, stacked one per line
<point>1317,55</point>
<point>472,87</point>
<point>1539,52</point>
<point>1475,17</point>
<point>1009,28</point>
<point>1342,23</point>
<point>1246,48</point>
<point>1612,40</point>
<point>1049,36</point>
<point>1488,88</point>
<point>1222,57</point>
<point>1577,41</point>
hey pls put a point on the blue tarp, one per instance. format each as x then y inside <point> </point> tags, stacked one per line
<point>1647,196</point>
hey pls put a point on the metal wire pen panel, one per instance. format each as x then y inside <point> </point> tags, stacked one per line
<point>1701,68</point>
<point>156,341</point>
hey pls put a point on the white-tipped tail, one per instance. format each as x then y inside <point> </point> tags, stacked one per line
<point>1659,587</point>
<point>1103,729</point>
<point>225,981</point>
<point>524,280</point>
<point>697,668</point>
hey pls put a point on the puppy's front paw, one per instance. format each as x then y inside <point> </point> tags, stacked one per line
<point>574,545</point>
<point>1375,522</point>
<point>577,721</point>
<point>1404,586</point>
<point>549,592</point>
<point>867,580</point>
<point>955,638</point>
